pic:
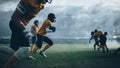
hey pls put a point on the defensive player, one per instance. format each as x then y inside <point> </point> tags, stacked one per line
<point>103,40</point>
<point>95,39</point>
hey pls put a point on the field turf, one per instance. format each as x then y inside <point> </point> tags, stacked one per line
<point>68,56</point>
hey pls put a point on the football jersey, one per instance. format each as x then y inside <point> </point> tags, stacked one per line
<point>42,30</point>
<point>26,10</point>
<point>34,29</point>
<point>98,33</point>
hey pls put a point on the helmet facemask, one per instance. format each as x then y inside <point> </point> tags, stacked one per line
<point>45,1</point>
<point>49,1</point>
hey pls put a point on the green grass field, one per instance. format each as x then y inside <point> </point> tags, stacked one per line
<point>68,56</point>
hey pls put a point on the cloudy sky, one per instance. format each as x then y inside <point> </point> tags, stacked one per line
<point>75,19</point>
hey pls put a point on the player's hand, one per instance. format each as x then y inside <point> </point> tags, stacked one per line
<point>52,28</point>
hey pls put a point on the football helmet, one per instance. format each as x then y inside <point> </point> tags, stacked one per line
<point>51,17</point>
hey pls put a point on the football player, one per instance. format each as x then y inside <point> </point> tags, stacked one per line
<point>41,36</point>
<point>95,37</point>
<point>34,29</point>
<point>25,11</point>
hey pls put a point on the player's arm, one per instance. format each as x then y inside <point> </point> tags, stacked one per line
<point>90,39</point>
<point>50,29</point>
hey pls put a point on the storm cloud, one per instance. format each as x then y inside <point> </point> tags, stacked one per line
<point>75,19</point>
<point>6,1</point>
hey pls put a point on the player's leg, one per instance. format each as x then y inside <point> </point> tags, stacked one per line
<point>98,46</point>
<point>95,45</point>
<point>103,48</point>
<point>37,46</point>
<point>107,50</point>
<point>17,40</point>
<point>31,47</point>
<point>17,55</point>
<point>49,44</point>
<point>33,39</point>
<point>11,60</point>
<point>34,49</point>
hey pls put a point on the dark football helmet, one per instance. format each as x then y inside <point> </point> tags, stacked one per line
<point>51,17</point>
